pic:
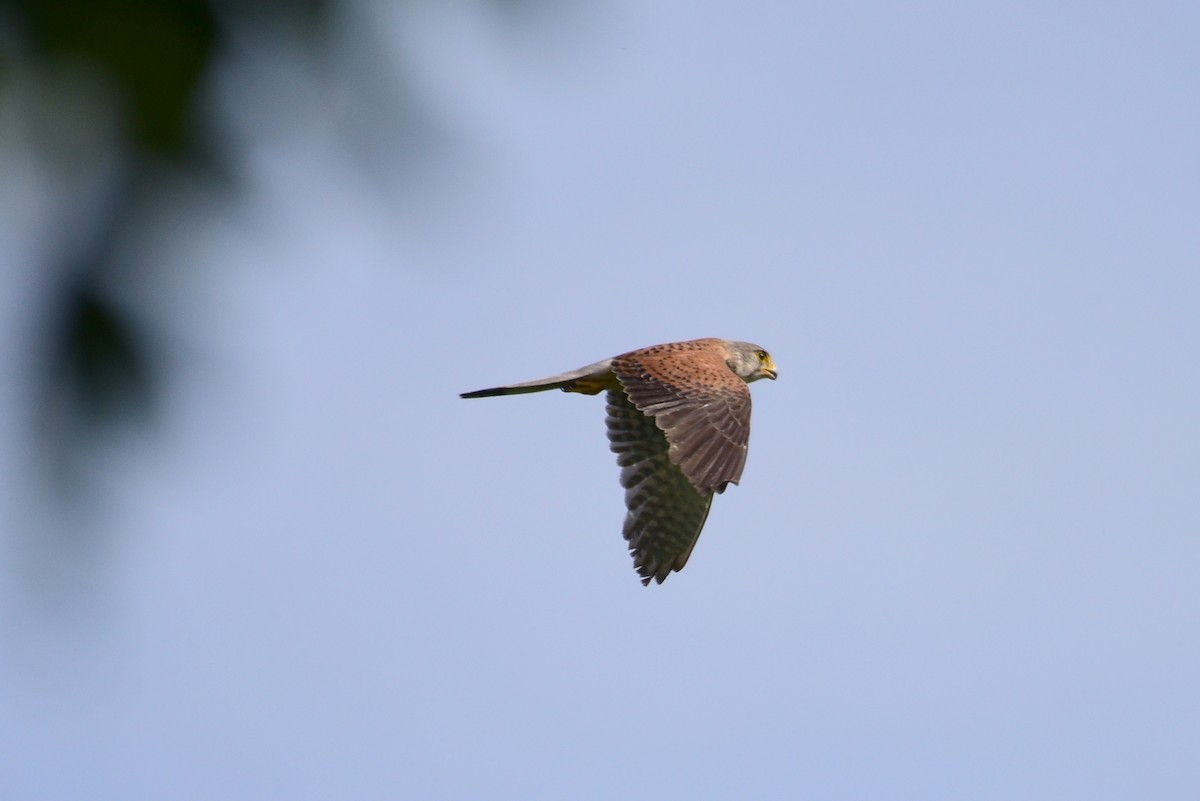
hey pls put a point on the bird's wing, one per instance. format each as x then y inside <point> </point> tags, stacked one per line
<point>701,405</point>
<point>665,510</point>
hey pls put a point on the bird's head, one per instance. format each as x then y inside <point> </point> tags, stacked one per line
<point>750,361</point>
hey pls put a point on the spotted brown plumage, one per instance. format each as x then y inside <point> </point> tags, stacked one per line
<point>678,418</point>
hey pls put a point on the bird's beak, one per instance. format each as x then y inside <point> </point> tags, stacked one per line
<point>769,370</point>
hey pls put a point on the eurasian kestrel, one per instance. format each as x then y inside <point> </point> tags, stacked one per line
<point>679,422</point>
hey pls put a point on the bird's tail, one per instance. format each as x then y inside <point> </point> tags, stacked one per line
<point>589,380</point>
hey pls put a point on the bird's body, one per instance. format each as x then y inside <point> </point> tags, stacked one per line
<point>679,421</point>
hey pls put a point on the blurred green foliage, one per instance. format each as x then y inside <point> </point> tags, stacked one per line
<point>156,51</point>
<point>149,66</point>
<point>95,359</point>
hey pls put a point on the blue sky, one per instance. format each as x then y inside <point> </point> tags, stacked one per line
<point>961,562</point>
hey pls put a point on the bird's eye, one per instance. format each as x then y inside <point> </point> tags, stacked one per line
<point>761,354</point>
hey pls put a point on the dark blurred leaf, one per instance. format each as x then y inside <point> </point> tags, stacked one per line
<point>153,57</point>
<point>156,51</point>
<point>99,361</point>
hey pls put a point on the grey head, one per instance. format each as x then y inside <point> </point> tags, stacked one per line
<point>751,362</point>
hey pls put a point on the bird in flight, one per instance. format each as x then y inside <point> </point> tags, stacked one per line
<point>679,422</point>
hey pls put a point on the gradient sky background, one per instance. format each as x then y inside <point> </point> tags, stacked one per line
<point>962,561</point>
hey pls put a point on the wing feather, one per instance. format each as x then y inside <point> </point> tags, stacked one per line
<point>665,512</point>
<point>701,406</point>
